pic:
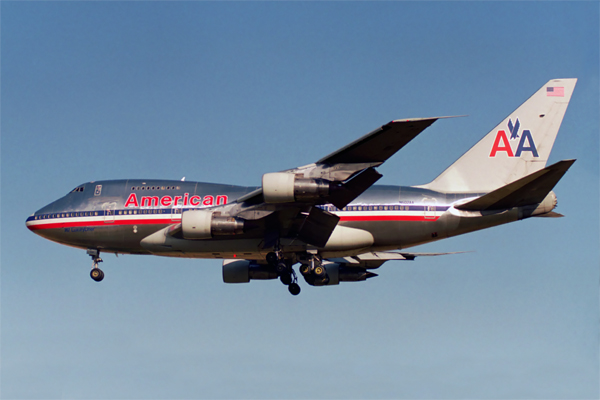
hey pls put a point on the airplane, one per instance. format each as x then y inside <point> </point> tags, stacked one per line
<point>327,216</point>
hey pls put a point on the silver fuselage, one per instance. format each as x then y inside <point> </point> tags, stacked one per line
<point>115,216</point>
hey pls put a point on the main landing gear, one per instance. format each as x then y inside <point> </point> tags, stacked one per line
<point>96,273</point>
<point>286,273</point>
<point>313,271</point>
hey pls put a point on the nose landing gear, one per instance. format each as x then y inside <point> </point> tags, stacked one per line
<point>96,273</point>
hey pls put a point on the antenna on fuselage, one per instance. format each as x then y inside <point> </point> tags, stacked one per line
<point>183,179</point>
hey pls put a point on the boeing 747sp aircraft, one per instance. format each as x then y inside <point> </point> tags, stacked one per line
<point>327,216</point>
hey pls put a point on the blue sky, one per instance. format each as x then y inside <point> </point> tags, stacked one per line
<point>225,92</point>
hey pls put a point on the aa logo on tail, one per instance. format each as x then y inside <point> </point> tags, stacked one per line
<point>502,144</point>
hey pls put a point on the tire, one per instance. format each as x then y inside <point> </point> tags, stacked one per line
<point>319,271</point>
<point>286,279</point>
<point>97,274</point>
<point>272,258</point>
<point>294,289</point>
<point>282,267</point>
<point>304,269</point>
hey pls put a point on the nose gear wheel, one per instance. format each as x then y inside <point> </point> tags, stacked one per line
<point>96,273</point>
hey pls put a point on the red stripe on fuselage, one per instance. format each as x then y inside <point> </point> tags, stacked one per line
<point>168,221</point>
<point>56,225</point>
<point>388,218</point>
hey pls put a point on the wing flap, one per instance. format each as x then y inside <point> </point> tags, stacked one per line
<point>317,227</point>
<point>350,190</point>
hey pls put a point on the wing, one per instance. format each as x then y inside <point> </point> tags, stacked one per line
<point>381,144</point>
<point>287,201</point>
<point>351,168</point>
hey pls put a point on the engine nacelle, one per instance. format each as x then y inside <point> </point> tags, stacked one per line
<point>283,187</point>
<point>204,224</point>
<point>242,271</point>
<point>336,273</point>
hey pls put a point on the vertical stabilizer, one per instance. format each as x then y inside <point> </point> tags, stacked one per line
<point>520,145</point>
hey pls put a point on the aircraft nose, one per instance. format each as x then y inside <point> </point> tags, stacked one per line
<point>36,221</point>
<point>29,222</point>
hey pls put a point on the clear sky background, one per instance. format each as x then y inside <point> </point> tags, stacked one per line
<point>224,92</point>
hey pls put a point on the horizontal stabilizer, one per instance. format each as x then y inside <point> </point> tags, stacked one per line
<point>531,189</point>
<point>551,214</point>
<point>375,259</point>
<point>412,256</point>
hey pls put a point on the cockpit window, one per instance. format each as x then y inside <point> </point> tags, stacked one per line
<point>77,189</point>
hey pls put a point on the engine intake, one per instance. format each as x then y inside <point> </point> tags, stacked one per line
<point>283,187</point>
<point>204,224</point>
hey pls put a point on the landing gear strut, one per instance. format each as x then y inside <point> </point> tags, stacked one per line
<point>286,273</point>
<point>96,273</point>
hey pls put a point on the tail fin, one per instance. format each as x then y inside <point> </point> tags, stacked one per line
<point>519,146</point>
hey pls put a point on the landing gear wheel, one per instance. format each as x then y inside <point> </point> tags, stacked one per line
<point>282,267</point>
<point>319,271</point>
<point>294,289</point>
<point>304,269</point>
<point>272,258</point>
<point>286,279</point>
<point>97,274</point>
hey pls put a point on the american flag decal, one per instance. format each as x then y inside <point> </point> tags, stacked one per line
<point>555,91</point>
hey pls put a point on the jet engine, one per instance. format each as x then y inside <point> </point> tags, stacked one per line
<point>334,274</point>
<point>283,187</point>
<point>242,271</point>
<point>204,224</point>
